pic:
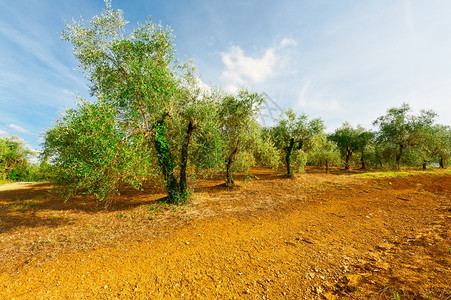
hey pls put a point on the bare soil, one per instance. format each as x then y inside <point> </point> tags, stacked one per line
<point>315,236</point>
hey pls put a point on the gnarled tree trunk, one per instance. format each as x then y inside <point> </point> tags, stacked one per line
<point>362,160</point>
<point>398,156</point>
<point>288,158</point>
<point>184,159</point>
<point>348,155</point>
<point>230,160</point>
<point>442,163</point>
<point>167,163</point>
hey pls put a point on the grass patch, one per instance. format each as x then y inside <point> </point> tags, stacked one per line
<point>401,174</point>
<point>2,182</point>
<point>395,294</point>
<point>25,206</point>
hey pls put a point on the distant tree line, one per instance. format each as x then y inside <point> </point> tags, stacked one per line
<point>152,121</point>
<point>16,162</point>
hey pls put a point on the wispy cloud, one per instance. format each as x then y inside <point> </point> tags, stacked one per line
<point>242,69</point>
<point>18,128</point>
<point>37,50</point>
<point>318,102</point>
<point>205,88</point>
<point>286,42</point>
<point>3,133</point>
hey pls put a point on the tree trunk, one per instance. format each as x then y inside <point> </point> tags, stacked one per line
<point>288,158</point>
<point>398,156</point>
<point>347,159</point>
<point>424,165</point>
<point>230,160</point>
<point>327,166</point>
<point>442,163</point>
<point>184,160</point>
<point>166,163</point>
<point>362,160</point>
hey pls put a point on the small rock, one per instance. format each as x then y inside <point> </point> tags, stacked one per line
<point>187,243</point>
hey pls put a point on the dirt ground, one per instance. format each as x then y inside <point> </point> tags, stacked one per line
<point>315,236</point>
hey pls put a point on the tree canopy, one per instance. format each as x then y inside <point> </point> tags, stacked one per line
<point>293,133</point>
<point>400,129</point>
<point>13,151</point>
<point>151,120</point>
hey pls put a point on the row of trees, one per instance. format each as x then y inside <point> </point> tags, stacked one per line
<point>13,152</point>
<point>152,121</point>
<point>16,162</point>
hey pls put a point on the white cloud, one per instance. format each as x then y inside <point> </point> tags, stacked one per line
<point>205,88</point>
<point>3,133</point>
<point>242,69</point>
<point>67,92</point>
<point>286,42</point>
<point>18,128</point>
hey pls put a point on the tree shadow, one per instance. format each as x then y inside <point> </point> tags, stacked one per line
<point>33,205</point>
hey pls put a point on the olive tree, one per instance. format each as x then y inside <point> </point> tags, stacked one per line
<point>292,133</point>
<point>435,144</point>
<point>442,134</point>
<point>91,154</point>
<point>13,151</point>
<point>346,138</point>
<point>143,98</point>
<point>365,145</point>
<point>238,129</point>
<point>323,152</point>
<point>400,130</point>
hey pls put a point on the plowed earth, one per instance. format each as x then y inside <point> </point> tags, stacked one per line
<point>315,236</point>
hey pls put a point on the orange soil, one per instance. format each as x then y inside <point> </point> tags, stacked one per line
<point>315,236</point>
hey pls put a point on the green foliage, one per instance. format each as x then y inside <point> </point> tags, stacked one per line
<point>324,152</point>
<point>266,152</point>
<point>151,117</point>
<point>365,146</point>
<point>92,155</point>
<point>346,138</point>
<point>206,148</point>
<point>148,103</point>
<point>300,159</point>
<point>30,172</point>
<point>238,128</point>
<point>13,156</point>
<point>293,133</point>
<point>434,145</point>
<point>399,130</point>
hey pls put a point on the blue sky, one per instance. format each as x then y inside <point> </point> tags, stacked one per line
<point>338,60</point>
